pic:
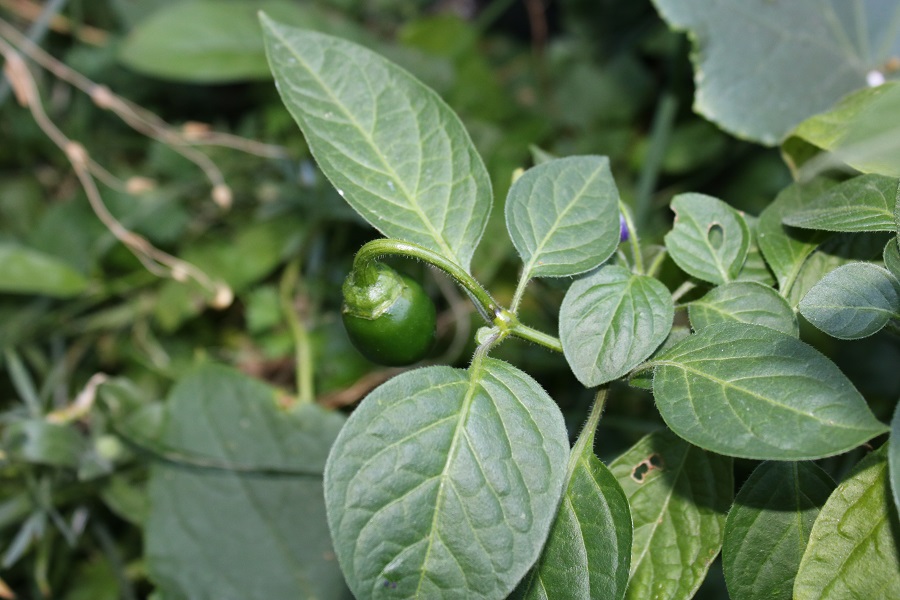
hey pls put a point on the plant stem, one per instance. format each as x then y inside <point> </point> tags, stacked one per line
<point>520,291</point>
<point>654,267</point>
<point>538,337</point>
<point>683,289</point>
<point>305,386</point>
<point>372,251</point>
<point>35,34</point>
<point>586,438</point>
<point>632,238</point>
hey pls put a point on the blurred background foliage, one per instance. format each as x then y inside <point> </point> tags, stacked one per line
<point>526,76</point>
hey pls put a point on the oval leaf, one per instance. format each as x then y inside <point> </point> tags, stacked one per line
<point>891,257</point>
<point>853,301</point>
<point>753,392</point>
<point>864,203</point>
<point>611,321</point>
<point>393,149</point>
<point>768,527</point>
<point>709,239</point>
<point>563,216</point>
<point>27,271</point>
<point>743,302</point>
<point>444,482</point>
<point>852,551</point>
<point>679,495</point>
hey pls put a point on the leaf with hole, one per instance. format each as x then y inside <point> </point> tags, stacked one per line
<point>612,320</point>
<point>853,547</point>
<point>743,302</point>
<point>853,301</point>
<point>767,528</point>
<point>679,495</point>
<point>445,482</point>
<point>390,145</point>
<point>864,203</point>
<point>709,239</point>
<point>753,392</point>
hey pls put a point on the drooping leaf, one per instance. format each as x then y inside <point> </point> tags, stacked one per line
<point>861,131</point>
<point>743,302</point>
<point>757,77</point>
<point>864,203</point>
<point>709,239</point>
<point>445,482</point>
<point>894,457</point>
<point>390,145</point>
<point>27,271</point>
<point>785,248</point>
<point>753,392</point>
<point>588,551</point>
<point>611,321</point>
<point>251,524</point>
<point>767,528</point>
<point>853,547</point>
<point>563,216</point>
<point>679,495</point>
<point>853,301</point>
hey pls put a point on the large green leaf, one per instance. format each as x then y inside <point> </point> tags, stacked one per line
<point>768,526</point>
<point>863,131</point>
<point>709,239</point>
<point>864,203</point>
<point>853,301</point>
<point>588,551</point>
<point>563,216</point>
<point>611,321</point>
<point>393,149</point>
<point>679,495</point>
<point>894,456</point>
<point>761,67</point>
<point>444,483</point>
<point>251,524</point>
<point>750,391</point>
<point>743,302</point>
<point>852,551</point>
<point>27,271</point>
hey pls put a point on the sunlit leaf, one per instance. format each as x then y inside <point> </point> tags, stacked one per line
<point>743,302</point>
<point>864,203</point>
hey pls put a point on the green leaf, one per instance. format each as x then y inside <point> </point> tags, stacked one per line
<point>853,301</point>
<point>743,302</point>
<point>784,248</point>
<point>588,551</point>
<point>894,456</point>
<point>26,271</point>
<point>753,392</point>
<point>251,523</point>
<point>861,131</point>
<point>757,77</point>
<point>891,257</point>
<point>393,149</point>
<point>678,495</point>
<point>767,528</point>
<point>864,203</point>
<point>563,216</point>
<point>852,551</point>
<point>41,442</point>
<point>611,321</point>
<point>445,482</point>
<point>709,239</point>
<point>755,268</point>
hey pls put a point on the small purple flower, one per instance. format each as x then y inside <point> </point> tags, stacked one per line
<point>623,228</point>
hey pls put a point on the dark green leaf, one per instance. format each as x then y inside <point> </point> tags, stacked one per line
<point>40,442</point>
<point>679,495</point>
<point>743,302</point>
<point>853,301</point>
<point>750,391</point>
<point>768,526</point>
<point>26,271</point>
<point>864,203</point>
<point>611,321</point>
<point>852,551</point>
<point>894,456</point>
<point>445,482</point>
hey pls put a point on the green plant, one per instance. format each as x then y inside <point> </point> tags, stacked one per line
<point>450,482</point>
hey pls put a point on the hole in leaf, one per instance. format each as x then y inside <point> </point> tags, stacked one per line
<point>640,471</point>
<point>715,235</point>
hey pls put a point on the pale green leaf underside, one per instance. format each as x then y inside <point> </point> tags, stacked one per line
<point>768,526</point>
<point>753,392</point>
<point>27,271</point>
<point>679,495</point>
<point>761,67</point>
<point>254,528</point>
<point>393,149</point>
<point>853,301</point>
<point>611,321</point>
<point>864,203</point>
<point>444,483</point>
<point>563,216</point>
<point>709,239</point>
<point>743,302</point>
<point>852,551</point>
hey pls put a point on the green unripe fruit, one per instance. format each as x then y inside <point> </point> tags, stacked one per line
<point>389,317</point>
